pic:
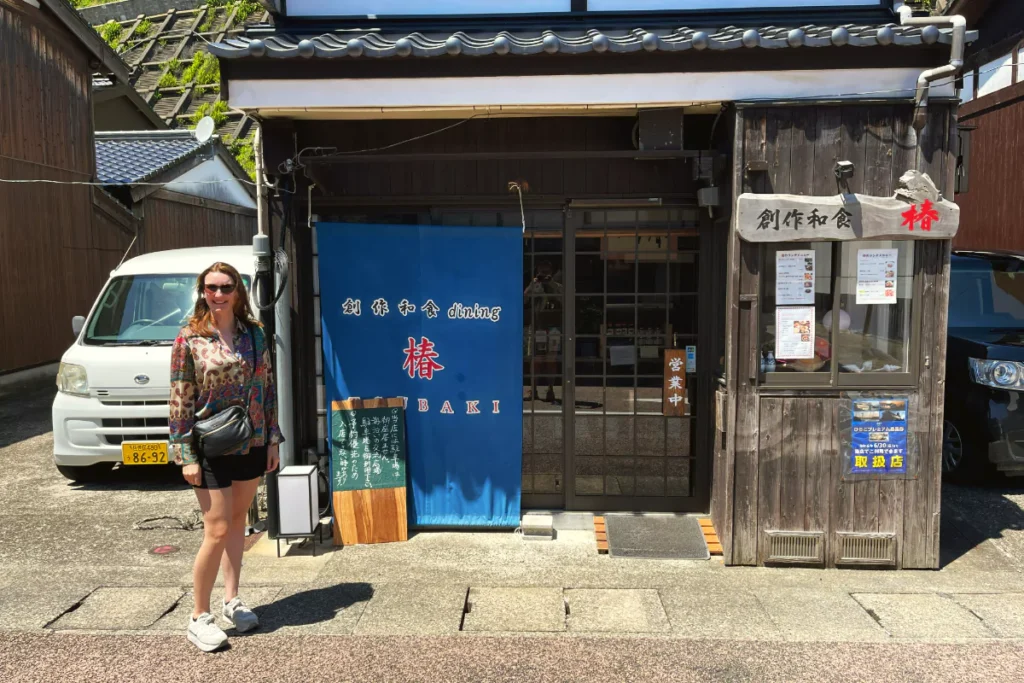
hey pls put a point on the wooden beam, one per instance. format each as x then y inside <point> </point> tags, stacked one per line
<point>657,155</point>
<point>202,202</point>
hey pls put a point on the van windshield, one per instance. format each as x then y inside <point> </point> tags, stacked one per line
<point>143,310</point>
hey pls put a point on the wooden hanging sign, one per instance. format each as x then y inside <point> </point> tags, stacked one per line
<point>916,212</point>
<point>368,471</point>
<point>674,392</point>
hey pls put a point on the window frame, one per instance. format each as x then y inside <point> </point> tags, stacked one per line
<point>834,379</point>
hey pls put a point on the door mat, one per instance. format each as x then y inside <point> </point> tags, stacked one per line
<point>666,537</point>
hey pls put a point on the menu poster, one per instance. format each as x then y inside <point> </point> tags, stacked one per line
<point>794,332</point>
<point>794,278</point>
<point>876,276</point>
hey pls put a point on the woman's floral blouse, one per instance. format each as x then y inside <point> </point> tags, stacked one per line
<point>206,378</point>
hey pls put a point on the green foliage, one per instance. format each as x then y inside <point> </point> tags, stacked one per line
<point>168,80</point>
<point>243,153</point>
<point>110,32</point>
<point>218,112</point>
<point>143,29</point>
<point>204,70</point>
<point>247,8</point>
<point>174,66</point>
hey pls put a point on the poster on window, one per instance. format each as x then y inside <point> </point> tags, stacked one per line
<point>879,436</point>
<point>794,277</point>
<point>794,332</point>
<point>876,276</point>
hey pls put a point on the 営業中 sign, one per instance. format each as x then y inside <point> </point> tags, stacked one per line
<point>674,394</point>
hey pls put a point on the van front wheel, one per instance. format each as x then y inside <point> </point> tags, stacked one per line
<point>84,474</point>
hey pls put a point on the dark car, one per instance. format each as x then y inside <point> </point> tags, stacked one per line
<point>984,404</point>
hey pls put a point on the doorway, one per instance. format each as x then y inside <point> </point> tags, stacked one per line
<point>605,293</point>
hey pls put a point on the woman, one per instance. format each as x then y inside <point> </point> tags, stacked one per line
<point>221,359</point>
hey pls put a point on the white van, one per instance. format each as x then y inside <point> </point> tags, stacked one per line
<point>114,381</point>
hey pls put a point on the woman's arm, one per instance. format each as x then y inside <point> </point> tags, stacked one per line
<point>273,431</point>
<point>182,402</point>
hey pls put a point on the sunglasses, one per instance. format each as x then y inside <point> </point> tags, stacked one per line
<point>224,289</point>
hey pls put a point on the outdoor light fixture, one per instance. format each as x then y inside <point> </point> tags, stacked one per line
<point>844,170</point>
<point>614,203</point>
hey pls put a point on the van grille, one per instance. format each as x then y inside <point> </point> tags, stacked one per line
<point>134,403</point>
<point>159,424</point>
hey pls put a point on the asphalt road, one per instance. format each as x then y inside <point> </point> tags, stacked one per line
<point>46,658</point>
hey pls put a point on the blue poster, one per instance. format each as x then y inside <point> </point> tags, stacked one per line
<point>434,315</point>
<point>879,435</point>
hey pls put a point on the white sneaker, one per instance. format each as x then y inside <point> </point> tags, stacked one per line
<point>239,616</point>
<point>205,634</point>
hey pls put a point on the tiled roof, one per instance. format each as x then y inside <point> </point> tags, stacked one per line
<point>349,43</point>
<point>134,156</point>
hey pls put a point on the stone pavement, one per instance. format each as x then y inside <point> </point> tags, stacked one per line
<point>73,566</point>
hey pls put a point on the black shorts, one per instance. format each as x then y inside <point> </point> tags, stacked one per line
<point>219,473</point>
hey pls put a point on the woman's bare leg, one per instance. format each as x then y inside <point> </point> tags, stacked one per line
<point>242,493</point>
<point>216,505</point>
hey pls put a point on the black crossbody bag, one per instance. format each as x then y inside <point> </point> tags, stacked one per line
<point>229,429</point>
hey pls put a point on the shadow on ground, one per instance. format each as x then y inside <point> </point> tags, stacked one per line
<point>972,515</point>
<point>311,607</point>
<point>138,478</point>
<point>26,411</point>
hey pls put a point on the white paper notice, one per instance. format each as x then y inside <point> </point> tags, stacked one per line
<point>794,278</point>
<point>876,276</point>
<point>794,332</point>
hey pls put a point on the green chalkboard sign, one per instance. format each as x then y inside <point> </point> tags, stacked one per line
<point>367,449</point>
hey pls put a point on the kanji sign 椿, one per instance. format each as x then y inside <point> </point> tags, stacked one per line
<point>917,211</point>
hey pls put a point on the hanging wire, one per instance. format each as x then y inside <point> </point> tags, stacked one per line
<point>515,186</point>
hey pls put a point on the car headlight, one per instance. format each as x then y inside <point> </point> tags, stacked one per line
<point>1001,374</point>
<point>71,379</point>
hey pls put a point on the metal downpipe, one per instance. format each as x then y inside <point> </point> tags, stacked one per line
<point>956,57</point>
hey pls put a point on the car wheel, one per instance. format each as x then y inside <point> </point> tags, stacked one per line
<point>84,474</point>
<point>952,449</point>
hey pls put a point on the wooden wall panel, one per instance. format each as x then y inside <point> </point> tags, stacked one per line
<point>169,224</point>
<point>786,447</point>
<point>45,134</point>
<point>991,208</point>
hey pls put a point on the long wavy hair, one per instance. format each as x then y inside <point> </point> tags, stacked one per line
<point>202,321</point>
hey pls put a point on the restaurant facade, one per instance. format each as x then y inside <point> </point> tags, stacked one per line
<point>735,248</point>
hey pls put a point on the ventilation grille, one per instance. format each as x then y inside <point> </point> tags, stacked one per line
<point>877,549</point>
<point>802,547</point>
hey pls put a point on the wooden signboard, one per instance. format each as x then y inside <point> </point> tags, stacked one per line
<point>916,212</point>
<point>674,393</point>
<point>368,469</point>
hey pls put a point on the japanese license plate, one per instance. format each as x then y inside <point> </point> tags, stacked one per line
<point>144,453</point>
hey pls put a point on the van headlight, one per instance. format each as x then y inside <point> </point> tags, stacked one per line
<point>1001,374</point>
<point>71,379</point>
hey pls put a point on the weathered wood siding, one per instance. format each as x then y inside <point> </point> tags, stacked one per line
<point>170,224</point>
<point>45,229</point>
<point>992,206</point>
<point>782,452</point>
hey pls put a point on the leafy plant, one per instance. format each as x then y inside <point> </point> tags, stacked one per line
<point>204,70</point>
<point>247,8</point>
<point>168,80</point>
<point>174,66</point>
<point>143,29</point>
<point>110,32</point>
<point>243,153</point>
<point>218,112</point>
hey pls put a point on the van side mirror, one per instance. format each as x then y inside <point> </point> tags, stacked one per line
<point>77,323</point>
